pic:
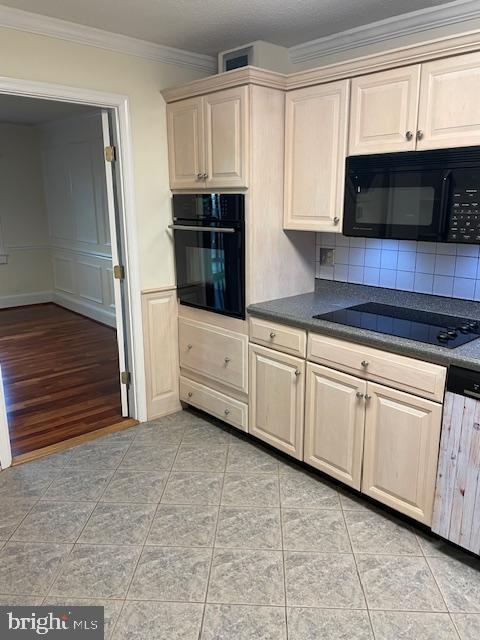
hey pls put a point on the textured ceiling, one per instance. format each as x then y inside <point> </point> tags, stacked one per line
<point>210,26</point>
<point>18,110</point>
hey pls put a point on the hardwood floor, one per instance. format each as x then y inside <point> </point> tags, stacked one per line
<point>60,374</point>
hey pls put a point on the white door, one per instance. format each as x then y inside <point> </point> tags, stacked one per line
<point>334,423</point>
<point>402,438</point>
<point>315,149</point>
<point>5,449</point>
<point>383,113</point>
<point>116,260</point>
<point>277,386</point>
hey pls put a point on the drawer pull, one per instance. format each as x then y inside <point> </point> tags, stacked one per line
<point>227,412</point>
<point>359,395</point>
<point>365,363</point>
<point>189,346</point>
<point>272,334</point>
<point>190,394</point>
<point>227,360</point>
<point>297,372</point>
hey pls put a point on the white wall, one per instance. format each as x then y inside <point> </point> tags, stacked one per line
<point>23,218</point>
<point>76,202</point>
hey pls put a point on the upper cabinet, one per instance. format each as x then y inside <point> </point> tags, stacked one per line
<point>207,139</point>
<point>449,112</point>
<point>315,150</point>
<point>383,113</point>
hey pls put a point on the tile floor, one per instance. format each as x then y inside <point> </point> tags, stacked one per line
<point>183,530</point>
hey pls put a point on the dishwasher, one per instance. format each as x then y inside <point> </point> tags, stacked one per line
<point>456,513</point>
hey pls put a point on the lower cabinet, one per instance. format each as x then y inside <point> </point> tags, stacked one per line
<point>276,399</point>
<point>402,436</point>
<point>334,423</point>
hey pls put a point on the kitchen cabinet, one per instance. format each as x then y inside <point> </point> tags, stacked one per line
<point>334,423</point>
<point>383,113</point>
<point>276,399</point>
<point>449,110</point>
<point>402,435</point>
<point>315,151</point>
<point>207,140</point>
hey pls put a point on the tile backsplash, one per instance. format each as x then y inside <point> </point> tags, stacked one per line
<point>451,270</point>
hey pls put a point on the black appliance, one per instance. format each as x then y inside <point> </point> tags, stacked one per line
<point>209,239</point>
<point>422,326</point>
<point>416,195</point>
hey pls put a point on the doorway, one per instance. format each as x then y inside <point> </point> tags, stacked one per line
<point>64,350</point>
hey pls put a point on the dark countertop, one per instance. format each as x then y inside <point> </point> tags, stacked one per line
<point>299,310</point>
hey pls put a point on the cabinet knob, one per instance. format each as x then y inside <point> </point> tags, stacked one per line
<point>419,134</point>
<point>190,394</point>
<point>227,412</point>
<point>365,363</point>
<point>200,176</point>
<point>409,135</point>
<point>272,334</point>
<point>359,394</point>
<point>205,176</point>
<point>189,346</point>
<point>227,359</point>
<point>297,372</point>
<point>368,397</point>
<point>336,220</point>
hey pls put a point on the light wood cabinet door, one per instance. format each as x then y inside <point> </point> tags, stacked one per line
<point>186,143</point>
<point>315,150</point>
<point>449,111</point>
<point>226,129</point>
<point>383,113</point>
<point>334,423</point>
<point>402,434</point>
<point>276,399</point>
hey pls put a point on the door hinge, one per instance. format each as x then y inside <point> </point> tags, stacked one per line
<point>126,377</point>
<point>119,272</point>
<point>110,154</point>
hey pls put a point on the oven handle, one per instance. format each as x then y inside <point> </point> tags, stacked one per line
<point>184,227</point>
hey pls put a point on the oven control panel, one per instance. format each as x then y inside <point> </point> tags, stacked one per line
<point>464,219</point>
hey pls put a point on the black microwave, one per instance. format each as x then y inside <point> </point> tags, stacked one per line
<point>417,195</point>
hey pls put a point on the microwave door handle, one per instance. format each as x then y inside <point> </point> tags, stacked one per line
<point>446,180</point>
<point>184,227</point>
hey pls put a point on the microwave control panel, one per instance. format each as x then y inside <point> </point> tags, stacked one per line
<point>464,219</point>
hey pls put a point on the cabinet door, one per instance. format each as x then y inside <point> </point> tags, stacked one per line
<point>186,143</point>
<point>449,111</point>
<point>226,128</point>
<point>402,434</point>
<point>383,114</point>
<point>334,423</point>
<point>315,150</point>
<point>277,387</point>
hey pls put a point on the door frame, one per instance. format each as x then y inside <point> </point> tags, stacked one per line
<point>119,107</point>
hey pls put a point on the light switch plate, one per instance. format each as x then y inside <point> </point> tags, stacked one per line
<point>327,257</point>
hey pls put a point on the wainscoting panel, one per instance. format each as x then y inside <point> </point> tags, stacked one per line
<point>160,330</point>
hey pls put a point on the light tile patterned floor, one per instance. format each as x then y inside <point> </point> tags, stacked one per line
<point>183,530</point>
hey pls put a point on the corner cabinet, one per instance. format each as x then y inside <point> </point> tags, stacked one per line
<point>276,399</point>
<point>315,150</point>
<point>207,140</point>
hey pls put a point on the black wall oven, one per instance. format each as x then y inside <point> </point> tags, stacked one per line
<point>416,195</point>
<point>209,238</point>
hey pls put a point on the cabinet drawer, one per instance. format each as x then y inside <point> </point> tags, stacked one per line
<point>215,353</point>
<point>217,404</point>
<point>278,336</point>
<point>408,374</point>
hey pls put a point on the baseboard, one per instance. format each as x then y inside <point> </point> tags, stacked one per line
<point>23,299</point>
<point>84,308</point>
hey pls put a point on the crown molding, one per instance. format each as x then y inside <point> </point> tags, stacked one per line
<point>72,32</point>
<point>394,27</point>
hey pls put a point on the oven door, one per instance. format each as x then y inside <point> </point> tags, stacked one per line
<point>210,265</point>
<point>399,204</point>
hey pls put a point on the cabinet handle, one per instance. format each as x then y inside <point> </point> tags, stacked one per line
<point>419,134</point>
<point>336,220</point>
<point>227,360</point>
<point>368,397</point>
<point>190,394</point>
<point>297,372</point>
<point>359,395</point>
<point>272,334</point>
<point>205,176</point>
<point>365,363</point>
<point>189,346</point>
<point>226,412</point>
<point>200,176</point>
<point>409,135</point>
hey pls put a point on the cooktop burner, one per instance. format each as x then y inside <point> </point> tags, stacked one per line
<point>422,326</point>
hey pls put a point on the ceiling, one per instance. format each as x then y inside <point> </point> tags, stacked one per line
<point>19,110</point>
<point>210,26</point>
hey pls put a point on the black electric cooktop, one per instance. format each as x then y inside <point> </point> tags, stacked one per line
<point>422,326</point>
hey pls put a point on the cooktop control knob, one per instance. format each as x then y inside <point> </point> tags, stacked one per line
<point>452,333</point>
<point>465,328</point>
<point>443,337</point>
